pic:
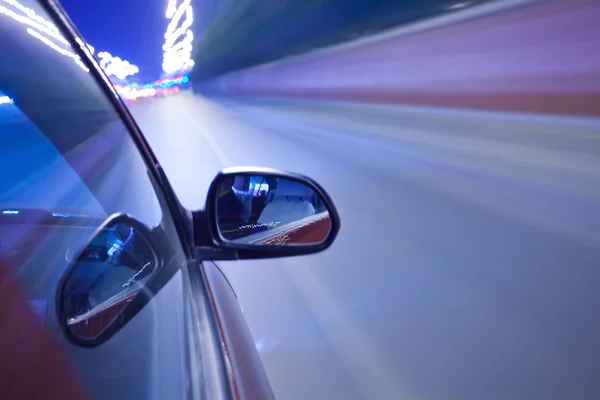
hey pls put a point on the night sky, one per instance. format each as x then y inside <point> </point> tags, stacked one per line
<point>130,29</point>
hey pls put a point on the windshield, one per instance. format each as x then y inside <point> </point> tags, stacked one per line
<point>66,156</point>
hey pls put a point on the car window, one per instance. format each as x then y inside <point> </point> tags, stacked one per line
<point>65,155</point>
<point>40,176</point>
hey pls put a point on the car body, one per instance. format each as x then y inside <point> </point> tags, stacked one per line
<point>81,167</point>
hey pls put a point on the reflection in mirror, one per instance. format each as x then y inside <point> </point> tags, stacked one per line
<point>268,210</point>
<point>104,278</point>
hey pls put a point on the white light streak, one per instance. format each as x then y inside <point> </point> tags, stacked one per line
<point>31,14</point>
<point>54,46</point>
<point>132,93</point>
<point>177,56</point>
<point>171,8</point>
<point>115,66</point>
<point>49,34</point>
<point>458,6</point>
<point>5,100</point>
<point>34,24</point>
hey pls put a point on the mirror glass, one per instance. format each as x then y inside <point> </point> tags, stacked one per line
<point>104,278</point>
<point>268,210</point>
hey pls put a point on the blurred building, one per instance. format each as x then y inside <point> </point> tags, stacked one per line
<point>232,35</point>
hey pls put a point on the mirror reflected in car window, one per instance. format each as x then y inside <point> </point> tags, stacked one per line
<point>105,277</point>
<point>269,210</point>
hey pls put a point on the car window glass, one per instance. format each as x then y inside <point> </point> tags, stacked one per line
<point>65,155</point>
<point>39,176</point>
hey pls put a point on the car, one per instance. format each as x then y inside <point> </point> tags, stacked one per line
<point>108,285</point>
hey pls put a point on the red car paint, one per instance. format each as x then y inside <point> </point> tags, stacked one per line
<point>32,366</point>
<point>310,233</point>
<point>246,372</point>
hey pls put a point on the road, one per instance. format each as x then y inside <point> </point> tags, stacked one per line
<point>468,262</point>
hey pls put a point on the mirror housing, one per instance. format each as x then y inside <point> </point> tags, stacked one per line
<point>106,284</point>
<point>275,214</point>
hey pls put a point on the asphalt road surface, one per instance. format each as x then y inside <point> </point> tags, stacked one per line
<point>468,263</point>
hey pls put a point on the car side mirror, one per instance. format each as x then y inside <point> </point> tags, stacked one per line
<point>105,284</point>
<point>265,213</point>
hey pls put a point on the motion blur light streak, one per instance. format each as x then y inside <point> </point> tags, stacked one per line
<point>112,65</point>
<point>132,93</point>
<point>178,54</point>
<point>116,66</point>
<point>31,14</point>
<point>457,6</point>
<point>171,8</point>
<point>34,23</point>
<point>5,100</point>
<point>172,32</point>
<point>53,45</point>
<point>178,80</point>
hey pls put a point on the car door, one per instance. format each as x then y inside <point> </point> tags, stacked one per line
<point>88,208</point>
<point>75,160</point>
